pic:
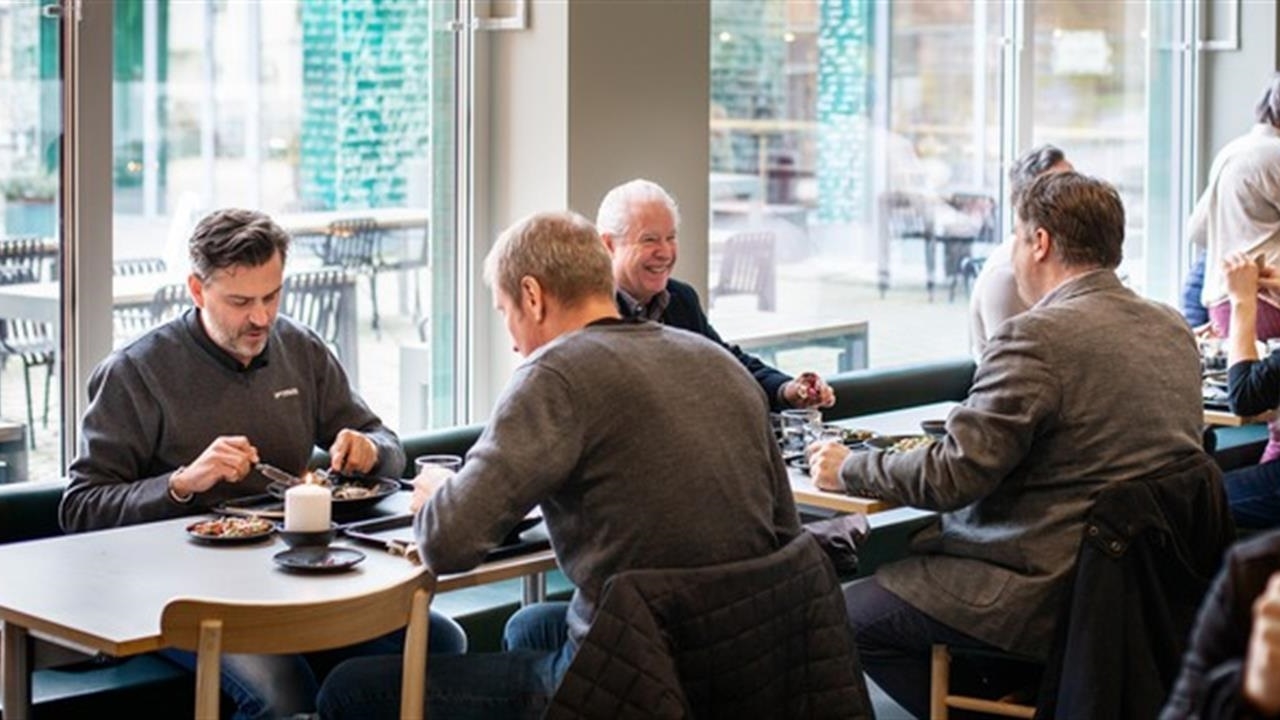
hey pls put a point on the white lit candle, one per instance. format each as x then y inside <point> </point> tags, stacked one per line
<point>307,508</point>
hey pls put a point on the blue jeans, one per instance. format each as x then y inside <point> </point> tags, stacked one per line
<point>1192,309</point>
<point>1254,495</point>
<point>273,686</point>
<point>895,642</point>
<point>516,683</point>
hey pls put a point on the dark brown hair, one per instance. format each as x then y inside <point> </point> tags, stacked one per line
<point>234,236</point>
<point>1083,215</point>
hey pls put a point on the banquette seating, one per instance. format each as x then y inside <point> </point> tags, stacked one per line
<point>28,511</point>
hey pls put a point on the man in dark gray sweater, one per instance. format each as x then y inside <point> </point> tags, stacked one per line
<point>177,419</point>
<point>644,447</point>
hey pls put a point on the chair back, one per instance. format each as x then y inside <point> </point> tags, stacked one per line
<point>904,215</point>
<point>169,302</point>
<point>352,244</point>
<point>315,300</point>
<point>980,206</point>
<point>1151,548</point>
<point>749,267</point>
<point>765,637</point>
<point>27,259</point>
<point>210,628</point>
<point>138,266</point>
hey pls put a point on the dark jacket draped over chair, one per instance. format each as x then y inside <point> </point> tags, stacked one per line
<point>1151,547</point>
<point>766,637</point>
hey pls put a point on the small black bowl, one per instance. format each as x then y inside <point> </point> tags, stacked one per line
<point>934,428</point>
<point>321,538</point>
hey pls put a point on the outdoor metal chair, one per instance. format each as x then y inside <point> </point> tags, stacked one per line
<point>959,248</point>
<point>749,268</point>
<point>315,300</point>
<point>354,244</point>
<point>131,320</point>
<point>905,216</point>
<point>29,260</point>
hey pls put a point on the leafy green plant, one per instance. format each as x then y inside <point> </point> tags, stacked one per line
<point>42,187</point>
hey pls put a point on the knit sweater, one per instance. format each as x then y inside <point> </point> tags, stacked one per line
<point>645,447</point>
<point>158,402</point>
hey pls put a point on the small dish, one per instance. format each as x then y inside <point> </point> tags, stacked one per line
<point>230,530</point>
<point>315,559</point>
<point>934,428</point>
<point>319,538</point>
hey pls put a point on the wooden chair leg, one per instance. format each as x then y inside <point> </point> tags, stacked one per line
<point>939,682</point>
<point>413,681</point>
<point>209,670</point>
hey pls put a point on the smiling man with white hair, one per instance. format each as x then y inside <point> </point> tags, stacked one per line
<point>638,221</point>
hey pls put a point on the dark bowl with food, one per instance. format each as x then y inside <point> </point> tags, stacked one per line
<point>350,492</point>
<point>934,428</point>
<point>301,538</point>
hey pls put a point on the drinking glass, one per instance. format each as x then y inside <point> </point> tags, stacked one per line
<point>799,428</point>
<point>437,463</point>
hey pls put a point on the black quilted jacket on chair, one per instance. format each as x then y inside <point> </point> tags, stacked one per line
<point>764,638</point>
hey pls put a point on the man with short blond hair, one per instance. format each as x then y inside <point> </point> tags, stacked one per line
<point>644,447</point>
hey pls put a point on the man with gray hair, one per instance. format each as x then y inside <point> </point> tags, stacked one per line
<point>1092,386</point>
<point>644,447</point>
<point>995,294</point>
<point>637,221</point>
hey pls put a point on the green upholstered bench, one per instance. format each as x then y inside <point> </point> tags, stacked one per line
<point>1238,447</point>
<point>862,392</point>
<point>73,685</point>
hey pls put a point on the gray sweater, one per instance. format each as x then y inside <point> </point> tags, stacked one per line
<point>646,447</point>
<point>157,403</point>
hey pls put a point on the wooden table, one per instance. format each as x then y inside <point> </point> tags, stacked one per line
<point>1230,419</point>
<point>895,422</point>
<point>105,591</point>
<point>768,333</point>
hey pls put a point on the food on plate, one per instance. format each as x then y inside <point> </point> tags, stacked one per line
<point>351,491</point>
<point>910,443</point>
<point>231,527</point>
<point>855,435</point>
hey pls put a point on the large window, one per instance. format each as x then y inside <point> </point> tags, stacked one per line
<point>867,142</point>
<point>338,118</point>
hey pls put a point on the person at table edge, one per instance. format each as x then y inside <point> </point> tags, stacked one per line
<point>638,221</point>
<point>178,417</point>
<point>564,437</point>
<point>1093,384</point>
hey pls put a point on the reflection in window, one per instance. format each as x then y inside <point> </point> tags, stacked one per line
<point>328,115</point>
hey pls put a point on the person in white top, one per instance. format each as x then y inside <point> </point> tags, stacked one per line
<point>995,294</point>
<point>1240,212</point>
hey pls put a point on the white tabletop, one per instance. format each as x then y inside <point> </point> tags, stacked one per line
<point>106,590</point>
<point>905,421</point>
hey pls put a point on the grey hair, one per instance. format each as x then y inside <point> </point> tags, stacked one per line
<point>235,236</point>
<point>561,250</point>
<point>615,209</point>
<point>1268,110</point>
<point>1083,215</point>
<point>1029,166</point>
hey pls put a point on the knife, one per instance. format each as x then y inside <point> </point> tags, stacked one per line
<point>275,473</point>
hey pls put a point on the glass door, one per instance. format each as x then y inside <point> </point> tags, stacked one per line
<point>30,241</point>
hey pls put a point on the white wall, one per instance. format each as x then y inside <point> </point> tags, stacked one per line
<point>1233,80</point>
<point>594,93</point>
